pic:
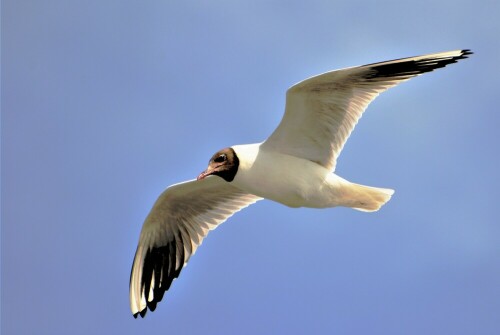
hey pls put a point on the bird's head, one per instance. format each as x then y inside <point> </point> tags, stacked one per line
<point>224,163</point>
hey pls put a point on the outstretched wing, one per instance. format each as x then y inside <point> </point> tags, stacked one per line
<point>322,111</point>
<point>177,224</point>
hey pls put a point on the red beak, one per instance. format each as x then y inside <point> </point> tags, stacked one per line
<point>206,173</point>
<point>202,175</point>
<point>209,171</point>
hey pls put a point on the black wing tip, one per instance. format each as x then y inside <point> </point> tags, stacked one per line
<point>141,313</point>
<point>406,68</point>
<point>151,305</point>
<point>156,261</point>
<point>465,53</point>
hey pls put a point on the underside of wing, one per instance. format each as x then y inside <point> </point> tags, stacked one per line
<point>178,222</point>
<point>322,111</point>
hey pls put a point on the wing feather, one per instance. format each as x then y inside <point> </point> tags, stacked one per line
<point>322,111</point>
<point>177,224</point>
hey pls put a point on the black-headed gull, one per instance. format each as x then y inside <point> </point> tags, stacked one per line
<point>294,166</point>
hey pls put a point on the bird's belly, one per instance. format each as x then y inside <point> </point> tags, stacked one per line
<point>273,188</point>
<point>289,180</point>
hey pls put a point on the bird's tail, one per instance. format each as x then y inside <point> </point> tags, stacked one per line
<point>365,198</point>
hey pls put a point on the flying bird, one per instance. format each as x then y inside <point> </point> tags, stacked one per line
<point>294,167</point>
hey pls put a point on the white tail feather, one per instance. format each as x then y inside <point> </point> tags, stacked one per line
<point>365,198</point>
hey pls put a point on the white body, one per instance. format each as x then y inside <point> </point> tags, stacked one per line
<point>298,182</point>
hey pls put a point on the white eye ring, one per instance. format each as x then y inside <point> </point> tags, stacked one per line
<point>221,158</point>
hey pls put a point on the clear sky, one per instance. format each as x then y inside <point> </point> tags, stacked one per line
<point>106,103</point>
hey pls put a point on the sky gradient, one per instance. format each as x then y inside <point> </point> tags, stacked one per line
<point>106,103</point>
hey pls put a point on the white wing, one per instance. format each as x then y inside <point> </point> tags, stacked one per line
<point>178,222</point>
<point>321,111</point>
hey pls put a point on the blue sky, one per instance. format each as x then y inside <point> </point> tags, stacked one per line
<point>106,103</point>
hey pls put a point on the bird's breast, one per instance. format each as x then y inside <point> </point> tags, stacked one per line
<point>292,181</point>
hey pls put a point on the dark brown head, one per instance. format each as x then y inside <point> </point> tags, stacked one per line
<point>223,164</point>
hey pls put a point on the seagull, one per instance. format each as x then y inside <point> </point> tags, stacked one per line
<point>294,167</point>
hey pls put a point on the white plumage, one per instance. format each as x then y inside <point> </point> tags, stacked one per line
<point>294,166</point>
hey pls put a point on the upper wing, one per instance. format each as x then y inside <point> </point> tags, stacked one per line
<point>322,111</point>
<point>180,219</point>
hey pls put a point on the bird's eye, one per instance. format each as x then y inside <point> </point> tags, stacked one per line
<point>220,158</point>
